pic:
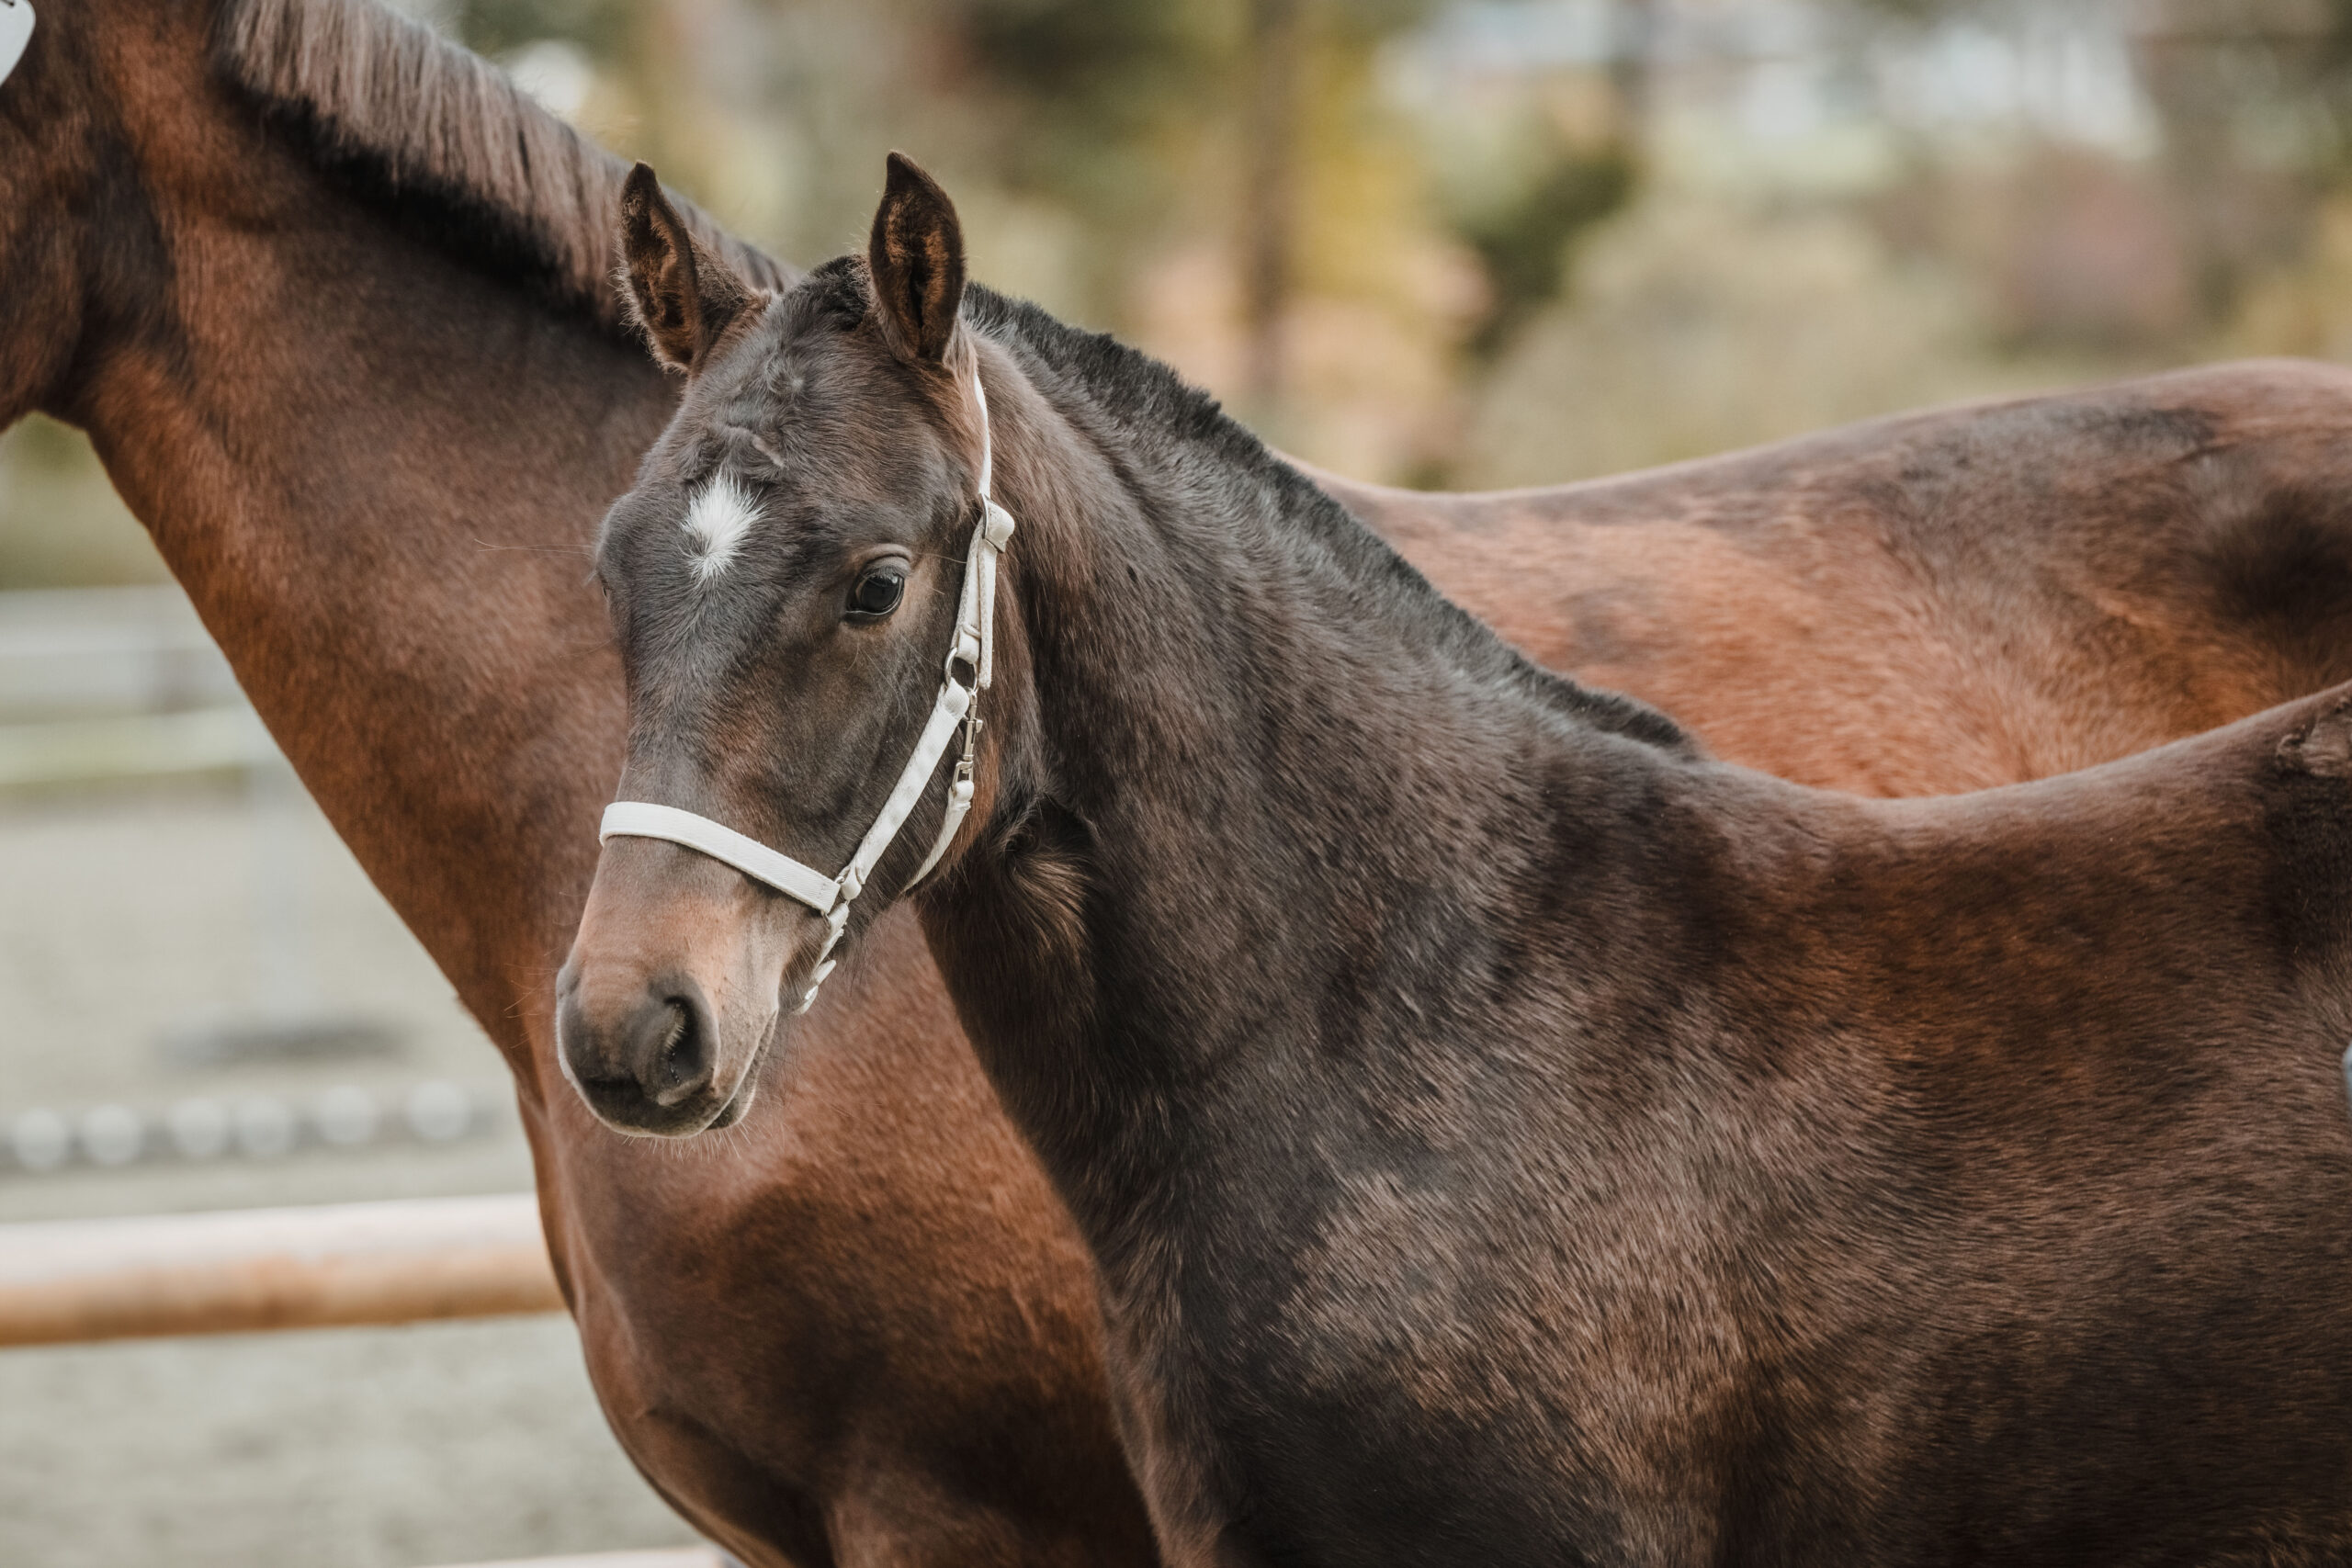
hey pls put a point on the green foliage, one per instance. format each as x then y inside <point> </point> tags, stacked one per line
<point>1089,93</point>
<point>1096,68</point>
<point>603,27</point>
<point>1524,242</point>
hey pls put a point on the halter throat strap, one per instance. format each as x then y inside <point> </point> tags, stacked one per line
<point>971,664</point>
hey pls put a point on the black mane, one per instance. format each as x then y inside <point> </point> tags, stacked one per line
<point>1148,399</point>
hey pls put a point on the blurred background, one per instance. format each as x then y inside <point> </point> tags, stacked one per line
<point>1435,243</point>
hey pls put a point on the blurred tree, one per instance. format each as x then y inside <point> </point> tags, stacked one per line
<point>1116,109</point>
<point>1524,240</point>
<point>1088,89</point>
<point>1106,111</point>
<point>1276,42</point>
<point>2253,100</point>
<point>1562,151</point>
<point>602,28</point>
<point>1254,127</point>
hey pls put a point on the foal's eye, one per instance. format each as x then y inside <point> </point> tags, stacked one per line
<point>875,592</point>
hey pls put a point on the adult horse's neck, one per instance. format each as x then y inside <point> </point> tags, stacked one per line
<point>1294,782</point>
<point>375,469</point>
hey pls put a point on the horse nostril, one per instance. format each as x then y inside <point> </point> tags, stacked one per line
<point>681,1064</point>
<point>644,1070</point>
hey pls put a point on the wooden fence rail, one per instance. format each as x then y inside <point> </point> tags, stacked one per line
<point>253,1269</point>
<point>247,1270</point>
<point>672,1557</point>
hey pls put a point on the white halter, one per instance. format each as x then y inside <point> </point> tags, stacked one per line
<point>15,31</point>
<point>958,705</point>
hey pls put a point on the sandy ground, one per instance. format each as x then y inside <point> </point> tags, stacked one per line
<point>127,918</point>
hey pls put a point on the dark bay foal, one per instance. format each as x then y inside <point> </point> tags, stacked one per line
<point>1504,1134</point>
<point>358,368</point>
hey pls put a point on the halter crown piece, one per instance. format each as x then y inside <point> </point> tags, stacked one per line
<point>957,707</point>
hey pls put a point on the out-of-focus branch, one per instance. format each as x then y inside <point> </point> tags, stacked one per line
<point>1277,44</point>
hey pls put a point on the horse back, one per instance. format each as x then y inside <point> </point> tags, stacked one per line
<point>1956,599</point>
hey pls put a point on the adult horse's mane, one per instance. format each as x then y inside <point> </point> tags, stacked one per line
<point>448,144</point>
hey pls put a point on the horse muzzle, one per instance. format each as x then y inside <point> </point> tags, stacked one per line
<point>671,992</point>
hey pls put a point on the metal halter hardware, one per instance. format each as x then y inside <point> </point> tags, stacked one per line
<point>15,31</point>
<point>957,707</point>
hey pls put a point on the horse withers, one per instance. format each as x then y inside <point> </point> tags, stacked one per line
<point>1503,1133</point>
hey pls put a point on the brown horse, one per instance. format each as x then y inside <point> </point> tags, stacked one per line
<point>356,366</point>
<point>1504,1134</point>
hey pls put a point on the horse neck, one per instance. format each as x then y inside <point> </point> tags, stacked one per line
<point>1271,754</point>
<point>378,474</point>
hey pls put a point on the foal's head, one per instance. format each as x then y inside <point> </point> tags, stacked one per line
<point>787,584</point>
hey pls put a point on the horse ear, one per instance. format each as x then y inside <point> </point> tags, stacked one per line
<point>683,295</point>
<point>917,257</point>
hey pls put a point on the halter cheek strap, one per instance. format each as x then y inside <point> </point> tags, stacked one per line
<point>15,31</point>
<point>957,709</point>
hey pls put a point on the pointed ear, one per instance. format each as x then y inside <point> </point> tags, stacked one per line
<point>917,257</point>
<point>685,296</point>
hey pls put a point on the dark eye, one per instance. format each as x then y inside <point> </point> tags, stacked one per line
<point>876,591</point>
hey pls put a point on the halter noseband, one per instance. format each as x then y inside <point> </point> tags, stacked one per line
<point>956,707</point>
